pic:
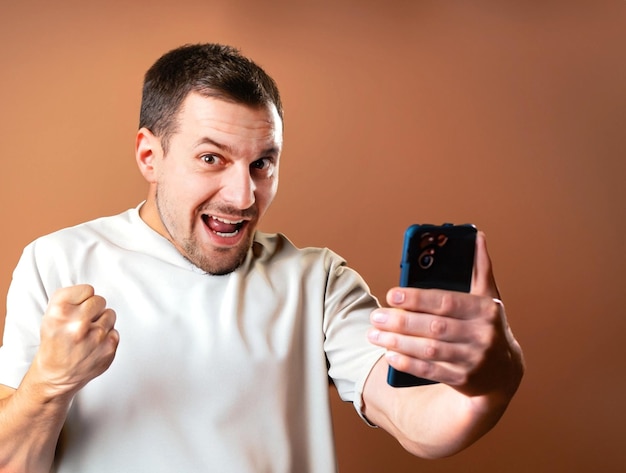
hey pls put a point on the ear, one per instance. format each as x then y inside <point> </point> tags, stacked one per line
<point>148,152</point>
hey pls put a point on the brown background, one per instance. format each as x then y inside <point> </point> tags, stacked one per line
<point>508,114</point>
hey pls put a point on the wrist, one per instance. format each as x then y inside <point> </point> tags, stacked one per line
<point>40,387</point>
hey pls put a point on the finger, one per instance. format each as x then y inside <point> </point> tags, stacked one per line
<point>425,349</point>
<point>76,304</point>
<point>104,350</point>
<point>93,308</point>
<point>87,311</point>
<point>96,323</point>
<point>104,334</point>
<point>440,302</point>
<point>106,319</point>
<point>419,325</point>
<point>453,374</point>
<point>483,280</point>
<point>74,295</point>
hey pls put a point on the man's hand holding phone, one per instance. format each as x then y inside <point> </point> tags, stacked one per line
<point>460,339</point>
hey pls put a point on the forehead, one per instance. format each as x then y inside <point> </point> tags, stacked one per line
<point>215,117</point>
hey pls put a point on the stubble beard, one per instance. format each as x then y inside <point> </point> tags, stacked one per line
<point>222,261</point>
<point>219,262</point>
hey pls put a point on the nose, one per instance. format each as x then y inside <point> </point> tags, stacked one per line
<point>238,188</point>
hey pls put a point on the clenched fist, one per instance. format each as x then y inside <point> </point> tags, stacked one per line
<point>78,340</point>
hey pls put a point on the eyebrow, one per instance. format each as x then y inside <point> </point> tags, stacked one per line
<point>272,150</point>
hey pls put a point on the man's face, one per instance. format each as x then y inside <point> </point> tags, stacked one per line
<point>216,181</point>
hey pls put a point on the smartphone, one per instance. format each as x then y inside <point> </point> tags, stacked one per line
<point>435,256</point>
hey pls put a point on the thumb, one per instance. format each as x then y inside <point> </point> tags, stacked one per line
<point>74,295</point>
<point>483,280</point>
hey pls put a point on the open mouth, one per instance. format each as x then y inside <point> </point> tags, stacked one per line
<point>223,227</point>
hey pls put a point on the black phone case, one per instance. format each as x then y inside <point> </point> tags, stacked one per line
<point>435,256</point>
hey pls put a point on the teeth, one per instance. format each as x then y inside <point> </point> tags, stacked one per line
<point>229,222</point>
<point>227,235</point>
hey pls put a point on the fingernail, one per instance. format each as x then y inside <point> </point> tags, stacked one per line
<point>373,335</point>
<point>397,297</point>
<point>379,316</point>
<point>391,356</point>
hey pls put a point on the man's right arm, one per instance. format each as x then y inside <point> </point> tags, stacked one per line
<point>29,430</point>
<point>78,343</point>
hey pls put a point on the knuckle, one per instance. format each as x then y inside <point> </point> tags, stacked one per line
<point>58,308</point>
<point>493,311</point>
<point>388,340</point>
<point>438,327</point>
<point>431,350</point>
<point>405,322</point>
<point>99,333</point>
<point>76,330</point>
<point>447,303</point>
<point>427,369</point>
<point>400,322</point>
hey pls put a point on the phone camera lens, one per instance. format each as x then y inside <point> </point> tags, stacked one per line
<point>426,258</point>
<point>427,239</point>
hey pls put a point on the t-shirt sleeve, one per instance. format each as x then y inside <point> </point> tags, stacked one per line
<point>351,357</point>
<point>26,302</point>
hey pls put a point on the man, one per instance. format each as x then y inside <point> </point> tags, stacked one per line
<point>215,352</point>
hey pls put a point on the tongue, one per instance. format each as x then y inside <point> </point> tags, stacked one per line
<point>221,227</point>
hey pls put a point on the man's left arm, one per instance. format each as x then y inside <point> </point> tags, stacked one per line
<point>461,340</point>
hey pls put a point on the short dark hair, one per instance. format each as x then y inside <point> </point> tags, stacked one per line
<point>209,69</point>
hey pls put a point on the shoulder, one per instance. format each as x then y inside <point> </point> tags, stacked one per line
<point>277,255</point>
<point>112,229</point>
<point>103,226</point>
<point>277,247</point>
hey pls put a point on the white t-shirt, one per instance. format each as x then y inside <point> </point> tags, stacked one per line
<point>212,373</point>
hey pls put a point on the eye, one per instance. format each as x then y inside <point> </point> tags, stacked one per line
<point>210,158</point>
<point>262,164</point>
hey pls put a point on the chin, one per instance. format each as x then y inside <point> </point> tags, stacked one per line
<point>221,270</point>
<point>221,261</point>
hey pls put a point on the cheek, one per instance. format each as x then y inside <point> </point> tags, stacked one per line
<point>266,193</point>
<point>189,187</point>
